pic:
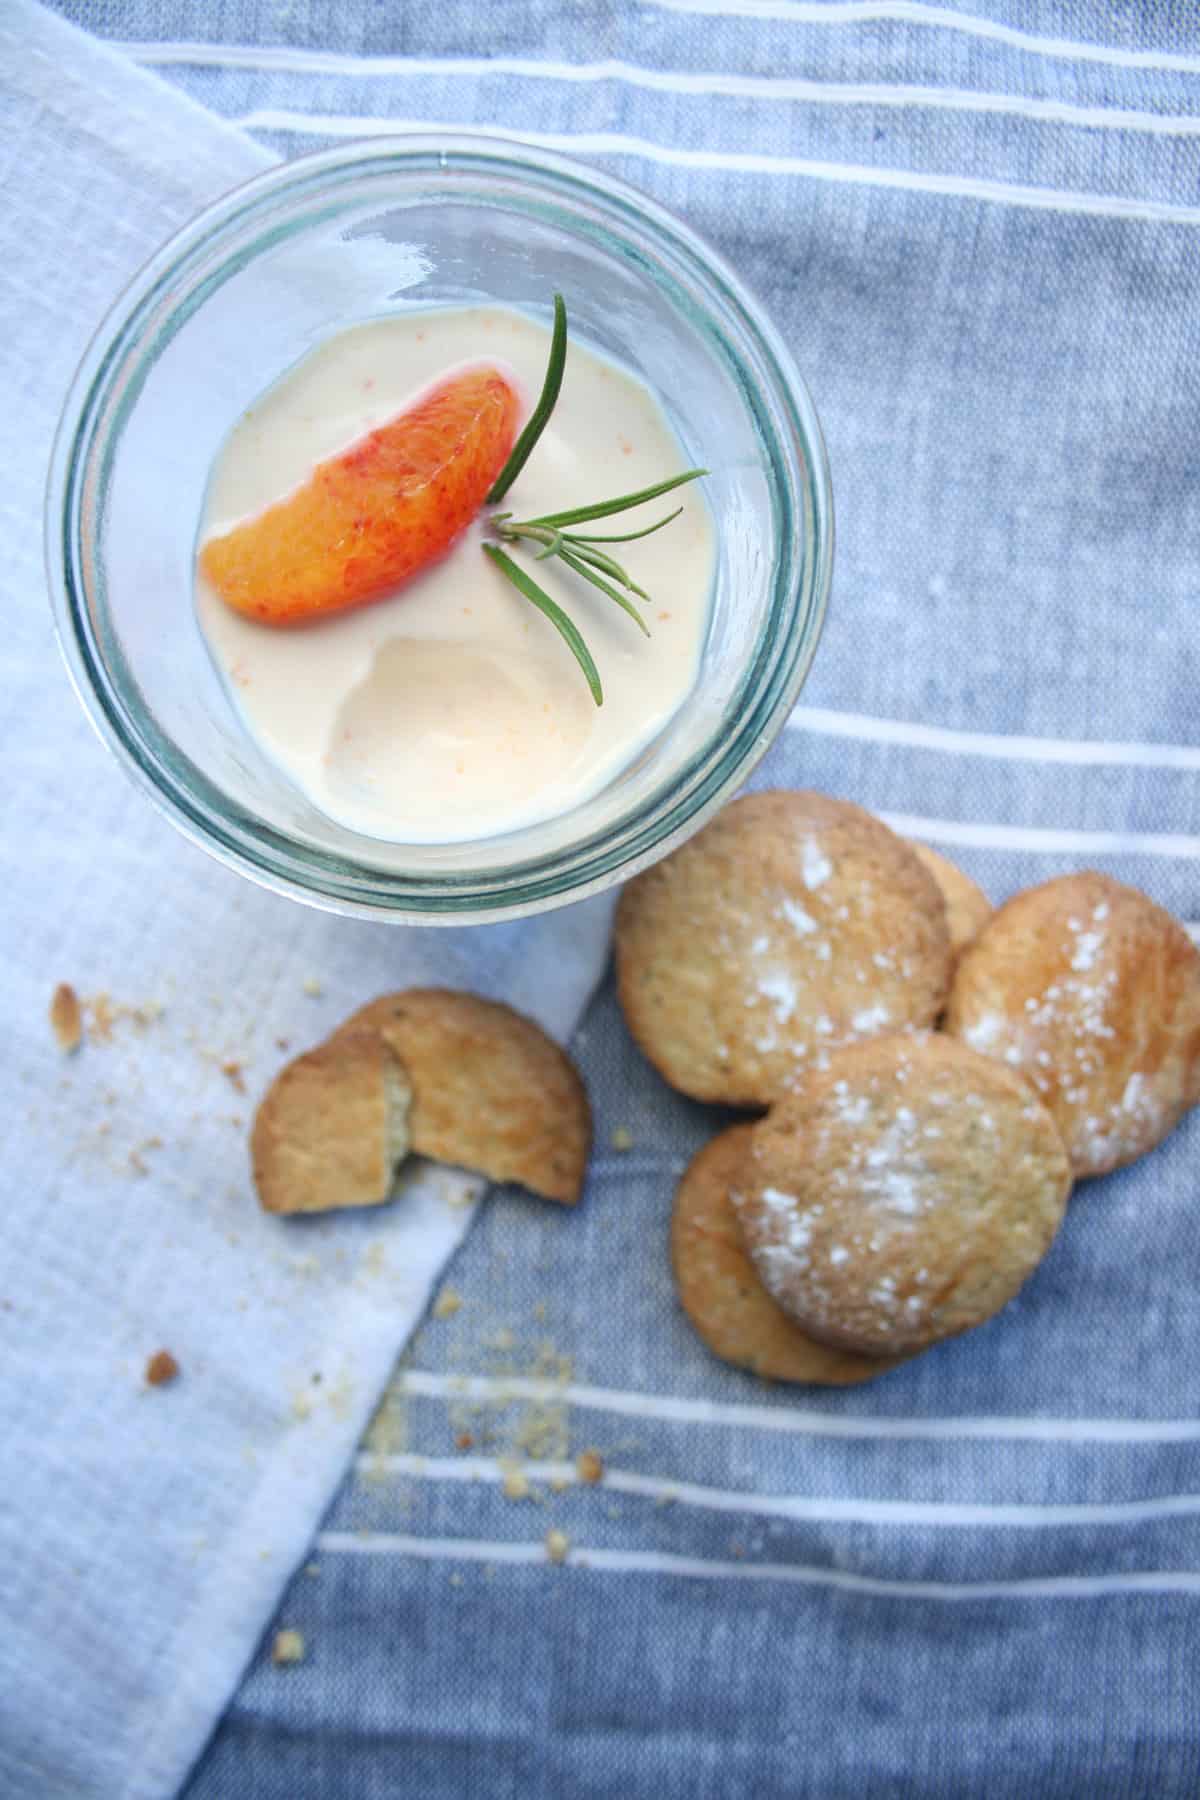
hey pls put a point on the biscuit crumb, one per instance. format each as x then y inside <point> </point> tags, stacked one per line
<point>447,1303</point>
<point>464,1441</point>
<point>461,1194</point>
<point>233,1073</point>
<point>104,1014</point>
<point>312,987</point>
<point>387,1434</point>
<point>622,1138</point>
<point>161,1368</point>
<point>312,1568</point>
<point>557,1546</point>
<point>288,1648</point>
<point>559,1484</point>
<point>101,1017</point>
<point>516,1484</point>
<point>66,1020</point>
<point>456,1579</point>
<point>589,1466</point>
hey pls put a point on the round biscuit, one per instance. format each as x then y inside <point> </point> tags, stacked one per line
<point>968,908</point>
<point>491,1092</point>
<point>903,1194</point>
<point>1092,991</point>
<point>719,1288</point>
<point>791,924</point>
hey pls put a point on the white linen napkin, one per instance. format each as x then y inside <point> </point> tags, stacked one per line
<point>146,1533</point>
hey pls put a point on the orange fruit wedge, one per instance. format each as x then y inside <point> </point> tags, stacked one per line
<point>370,518</point>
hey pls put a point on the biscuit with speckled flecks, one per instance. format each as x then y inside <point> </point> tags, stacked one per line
<point>791,924</point>
<point>719,1288</point>
<point>1092,991</point>
<point>332,1128</point>
<point>903,1194</point>
<point>968,908</point>
<point>491,1092</point>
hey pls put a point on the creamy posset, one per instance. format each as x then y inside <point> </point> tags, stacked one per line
<point>451,709</point>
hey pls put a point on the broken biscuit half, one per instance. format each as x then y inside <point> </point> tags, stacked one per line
<point>332,1129</point>
<point>445,1074</point>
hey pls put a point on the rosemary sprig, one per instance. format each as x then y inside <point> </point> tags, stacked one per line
<point>601,509</point>
<point>627,537</point>
<point>538,418</point>
<point>576,550</point>
<point>557,617</point>
<point>598,581</point>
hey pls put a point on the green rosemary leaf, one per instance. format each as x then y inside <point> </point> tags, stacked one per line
<point>536,423</point>
<point>581,568</point>
<point>526,585</point>
<point>622,503</point>
<point>619,537</point>
<point>607,565</point>
<point>551,544</point>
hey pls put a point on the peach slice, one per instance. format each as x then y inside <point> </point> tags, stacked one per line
<point>372,517</point>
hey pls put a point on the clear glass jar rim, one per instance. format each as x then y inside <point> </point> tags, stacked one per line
<point>659,823</point>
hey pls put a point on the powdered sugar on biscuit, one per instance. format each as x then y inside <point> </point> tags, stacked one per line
<point>889,1174</point>
<point>850,1109</point>
<point>871,1018</point>
<point>983,1032</point>
<point>802,923</point>
<point>815,866</point>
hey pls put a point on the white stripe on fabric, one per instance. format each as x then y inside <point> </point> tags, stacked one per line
<point>604,143</point>
<point>1086,752</point>
<point>796,1506</point>
<point>657,1562</point>
<point>1042,840</point>
<point>284,58</point>
<point>917,12</point>
<point>425,1384</point>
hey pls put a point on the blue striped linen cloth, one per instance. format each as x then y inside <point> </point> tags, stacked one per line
<point>979,231</point>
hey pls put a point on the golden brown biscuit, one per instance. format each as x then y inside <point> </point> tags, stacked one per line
<point>1093,993</point>
<point>332,1127</point>
<point>902,1194</point>
<point>968,908</point>
<point>791,924</point>
<point>719,1288</point>
<point>491,1092</point>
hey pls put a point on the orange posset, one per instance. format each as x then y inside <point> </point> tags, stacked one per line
<point>370,518</point>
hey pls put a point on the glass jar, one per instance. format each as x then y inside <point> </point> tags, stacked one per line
<point>259,280</point>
